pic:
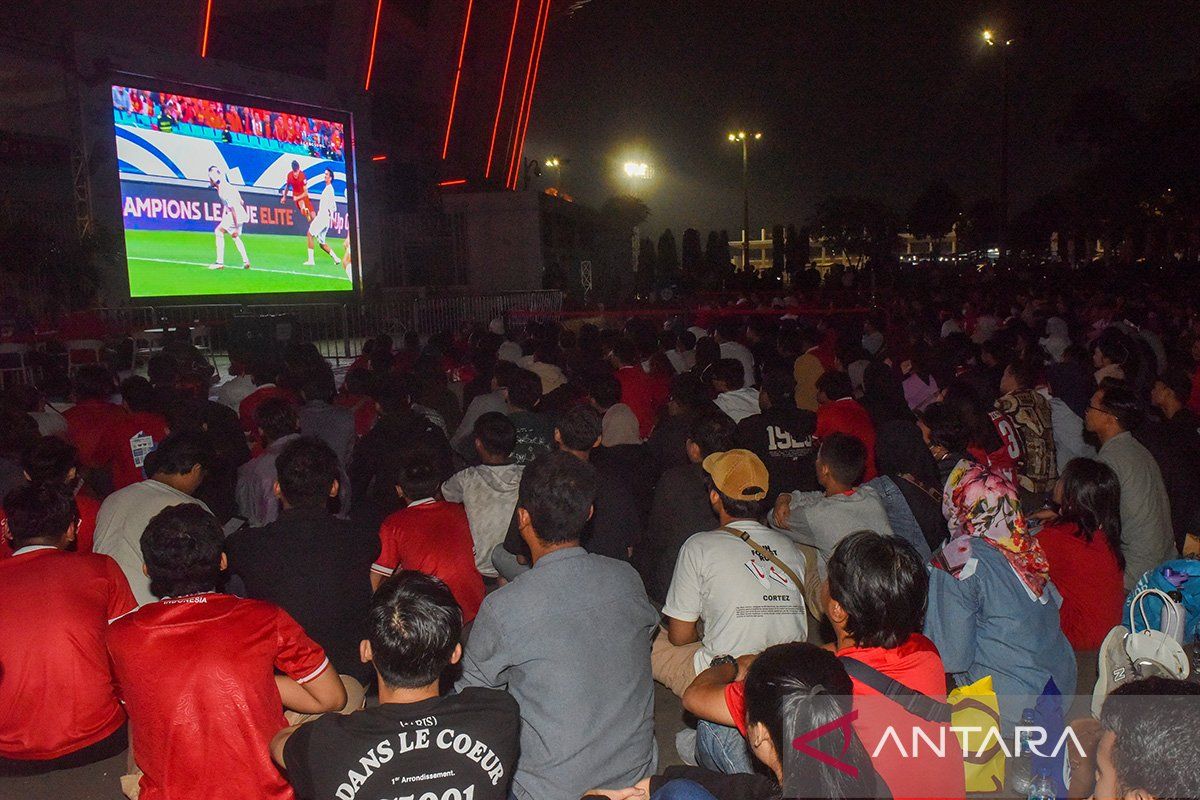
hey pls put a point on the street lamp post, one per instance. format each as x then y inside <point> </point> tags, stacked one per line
<point>1003,44</point>
<point>555,163</point>
<point>744,138</point>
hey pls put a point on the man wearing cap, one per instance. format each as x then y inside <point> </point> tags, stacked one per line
<point>741,579</point>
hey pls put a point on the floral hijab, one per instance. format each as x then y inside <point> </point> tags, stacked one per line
<point>979,502</point>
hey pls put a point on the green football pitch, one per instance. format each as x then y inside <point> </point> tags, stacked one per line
<point>175,263</point>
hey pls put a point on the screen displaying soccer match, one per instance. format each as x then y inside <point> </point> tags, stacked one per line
<point>224,199</point>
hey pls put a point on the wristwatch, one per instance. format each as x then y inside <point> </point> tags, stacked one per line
<point>721,661</point>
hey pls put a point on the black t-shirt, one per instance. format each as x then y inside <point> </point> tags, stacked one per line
<point>783,439</point>
<point>457,747</point>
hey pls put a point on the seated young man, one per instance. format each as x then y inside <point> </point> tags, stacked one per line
<point>817,521</point>
<point>311,564</point>
<point>54,460</point>
<point>875,601</point>
<point>457,745</point>
<point>56,689</point>
<point>748,601</point>
<point>488,491</point>
<point>429,535</point>
<point>1144,751</point>
<point>197,672</point>
<point>735,399</point>
<point>127,441</point>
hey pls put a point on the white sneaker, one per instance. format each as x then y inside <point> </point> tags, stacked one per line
<point>309,263</point>
<point>1114,667</point>
<point>216,266</point>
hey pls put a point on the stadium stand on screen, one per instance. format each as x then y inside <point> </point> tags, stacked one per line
<point>221,199</point>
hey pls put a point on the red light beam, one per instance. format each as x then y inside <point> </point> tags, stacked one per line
<point>454,182</point>
<point>462,50</point>
<point>513,166</point>
<point>207,20</point>
<point>374,37</point>
<point>503,83</point>
<point>537,65</point>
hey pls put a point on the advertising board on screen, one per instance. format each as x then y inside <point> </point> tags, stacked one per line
<point>226,199</point>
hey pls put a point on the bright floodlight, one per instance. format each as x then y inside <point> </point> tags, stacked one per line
<point>552,162</point>
<point>989,37</point>
<point>732,137</point>
<point>637,169</point>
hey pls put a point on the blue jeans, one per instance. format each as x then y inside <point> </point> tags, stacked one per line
<point>722,749</point>
<point>683,790</point>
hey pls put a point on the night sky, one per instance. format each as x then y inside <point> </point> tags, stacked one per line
<point>872,98</point>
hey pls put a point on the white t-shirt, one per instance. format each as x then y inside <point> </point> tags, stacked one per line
<point>741,353</point>
<point>746,602</point>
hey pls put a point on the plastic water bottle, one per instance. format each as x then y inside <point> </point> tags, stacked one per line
<point>1020,768</point>
<point>1041,787</point>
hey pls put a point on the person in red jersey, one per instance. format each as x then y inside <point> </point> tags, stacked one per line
<point>644,395</point>
<point>129,440</point>
<point>430,535</point>
<point>265,369</point>
<point>50,460</point>
<point>297,184</point>
<point>56,689</point>
<point>197,672</point>
<point>89,420</point>
<point>839,412</point>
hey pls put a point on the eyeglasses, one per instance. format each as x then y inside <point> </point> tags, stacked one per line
<point>1099,410</point>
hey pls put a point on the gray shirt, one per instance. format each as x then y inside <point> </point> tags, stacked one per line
<point>332,424</point>
<point>822,521</point>
<point>570,640</point>
<point>1147,538</point>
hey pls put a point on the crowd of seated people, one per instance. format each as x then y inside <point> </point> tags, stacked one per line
<point>458,569</point>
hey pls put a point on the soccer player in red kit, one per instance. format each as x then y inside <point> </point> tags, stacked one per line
<point>297,184</point>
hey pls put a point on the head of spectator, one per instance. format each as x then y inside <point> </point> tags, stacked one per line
<point>1140,755</point>
<point>728,329</point>
<point>791,690</point>
<point>495,438</point>
<point>709,433</point>
<point>138,395</point>
<point>318,386</point>
<point>162,371</point>
<point>624,354</point>
<point>944,431</point>
<point>524,390</point>
<point>1111,349</point>
<point>51,460</point>
<point>1171,391</point>
<point>685,341</point>
<point>841,460</point>
<point>727,375</point>
<point>417,477</point>
<point>877,591</point>
<point>275,418</point>
<point>1114,409</point>
<point>359,382</point>
<point>1088,494</point>
<point>1019,376</point>
<point>93,382</point>
<point>708,352</point>
<point>264,369</point>
<point>40,514</point>
<point>578,432</point>
<point>688,394</point>
<point>306,474</point>
<point>604,391</point>
<point>883,394</point>
<point>778,390</point>
<point>738,483</point>
<point>833,386</point>
<point>414,632</point>
<point>180,460</point>
<point>554,502</point>
<point>183,551</point>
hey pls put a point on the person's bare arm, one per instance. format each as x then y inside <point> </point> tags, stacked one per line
<point>706,696</point>
<point>680,632</point>
<point>376,579</point>
<point>278,741</point>
<point>322,694</point>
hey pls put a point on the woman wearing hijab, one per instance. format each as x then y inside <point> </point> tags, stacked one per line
<point>992,607</point>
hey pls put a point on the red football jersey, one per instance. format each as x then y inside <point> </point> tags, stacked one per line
<point>196,674</point>
<point>298,183</point>
<point>87,426</point>
<point>251,403</point>
<point>127,444</point>
<point>848,416</point>
<point>85,505</point>
<point>434,537</point>
<point>56,688</point>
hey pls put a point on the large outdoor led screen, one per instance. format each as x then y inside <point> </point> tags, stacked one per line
<point>225,199</point>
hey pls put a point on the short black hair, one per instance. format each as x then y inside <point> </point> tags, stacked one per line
<point>780,386</point>
<point>835,384</point>
<point>605,389</point>
<point>93,382</point>
<point>712,432</point>
<point>1124,404</point>
<point>946,427</point>
<point>181,547</point>
<point>138,393</point>
<point>319,385</point>
<point>845,455</point>
<point>49,460</point>
<point>557,491</point>
<point>728,328</point>
<point>413,626</point>
<point>524,389</point>
<point>39,511</point>
<point>359,381</point>
<point>882,584</point>
<point>730,372</point>
<point>689,391</point>
<point>295,164</point>
<point>306,469</point>
<point>1151,719</point>
<point>579,428</point>
<point>626,352</point>
<point>1178,382</point>
<point>496,433</point>
<point>179,453</point>
<point>417,475</point>
<point>1024,372</point>
<point>276,417</point>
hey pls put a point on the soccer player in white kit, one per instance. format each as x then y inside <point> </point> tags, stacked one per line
<point>232,219</point>
<point>319,227</point>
